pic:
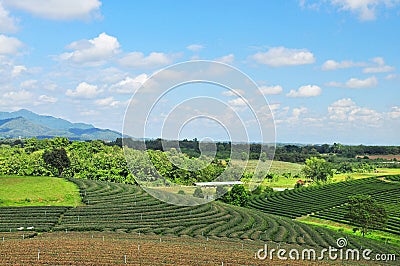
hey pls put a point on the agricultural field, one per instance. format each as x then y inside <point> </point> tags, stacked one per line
<point>111,248</point>
<point>122,208</point>
<point>277,167</point>
<point>378,172</point>
<point>326,202</point>
<point>37,191</point>
<point>390,199</point>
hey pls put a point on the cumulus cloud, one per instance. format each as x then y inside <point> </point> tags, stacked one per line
<point>271,90</point>
<point>84,90</point>
<point>346,110</point>
<point>298,111</point>
<point>391,76</point>
<point>15,99</point>
<point>227,59</point>
<point>364,9</point>
<point>281,56</point>
<point>9,45</point>
<point>139,60</point>
<point>195,47</point>
<point>305,91</point>
<point>233,92</point>
<point>8,24</point>
<point>394,112</point>
<point>107,102</point>
<point>334,65</point>
<point>380,66</point>
<point>92,52</point>
<point>57,9</point>
<point>355,83</point>
<point>30,83</point>
<point>128,85</point>
<point>238,102</point>
<point>18,70</point>
<point>47,99</point>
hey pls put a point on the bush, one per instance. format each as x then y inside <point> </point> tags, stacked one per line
<point>198,193</point>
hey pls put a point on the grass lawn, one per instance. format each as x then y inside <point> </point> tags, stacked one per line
<point>375,234</point>
<point>37,191</point>
<point>380,172</point>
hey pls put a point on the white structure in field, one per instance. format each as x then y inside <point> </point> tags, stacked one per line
<point>216,184</point>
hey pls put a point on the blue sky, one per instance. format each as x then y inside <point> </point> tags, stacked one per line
<point>329,69</point>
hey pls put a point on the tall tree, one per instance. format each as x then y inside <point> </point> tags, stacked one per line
<point>317,169</point>
<point>57,158</point>
<point>238,196</point>
<point>365,213</point>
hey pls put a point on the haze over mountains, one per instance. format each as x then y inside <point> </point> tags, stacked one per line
<point>26,124</point>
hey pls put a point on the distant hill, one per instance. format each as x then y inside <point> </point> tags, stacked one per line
<point>26,124</point>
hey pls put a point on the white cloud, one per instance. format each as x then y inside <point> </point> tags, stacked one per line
<point>394,113</point>
<point>233,92</point>
<point>346,110</point>
<point>18,70</point>
<point>271,90</point>
<point>380,66</point>
<point>281,56</point>
<point>84,90</point>
<point>364,9</point>
<point>58,9</point>
<point>238,102</point>
<point>139,60</point>
<point>298,111</point>
<point>92,52</point>
<point>274,106</point>
<point>391,76</point>
<point>89,113</point>
<point>227,59</point>
<point>333,84</point>
<point>16,98</point>
<point>305,91</point>
<point>7,24</point>
<point>107,102</point>
<point>9,45</point>
<point>334,65</point>
<point>47,99</point>
<point>355,83</point>
<point>195,47</point>
<point>128,85</point>
<point>31,83</point>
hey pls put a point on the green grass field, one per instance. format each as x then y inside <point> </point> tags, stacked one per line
<point>37,191</point>
<point>379,172</point>
<point>277,167</point>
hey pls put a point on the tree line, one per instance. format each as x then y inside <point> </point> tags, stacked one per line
<point>283,152</point>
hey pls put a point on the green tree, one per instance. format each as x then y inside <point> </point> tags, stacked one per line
<point>365,213</point>
<point>317,169</point>
<point>57,158</point>
<point>238,196</point>
<point>198,193</point>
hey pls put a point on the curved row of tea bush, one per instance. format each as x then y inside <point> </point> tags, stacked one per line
<point>122,207</point>
<point>308,200</point>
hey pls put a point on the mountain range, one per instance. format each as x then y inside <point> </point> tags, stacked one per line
<point>27,124</point>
